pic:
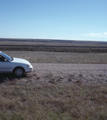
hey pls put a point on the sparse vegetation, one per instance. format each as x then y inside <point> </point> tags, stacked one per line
<point>54,102</point>
<point>58,57</point>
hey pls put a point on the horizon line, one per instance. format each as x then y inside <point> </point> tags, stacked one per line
<point>55,39</point>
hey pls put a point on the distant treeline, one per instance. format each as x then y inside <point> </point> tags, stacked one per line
<point>53,41</point>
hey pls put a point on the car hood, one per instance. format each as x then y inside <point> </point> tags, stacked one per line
<point>19,60</point>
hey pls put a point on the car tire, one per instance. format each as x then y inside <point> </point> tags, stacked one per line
<point>18,72</point>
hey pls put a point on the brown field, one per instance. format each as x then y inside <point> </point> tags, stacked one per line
<point>60,57</point>
<point>47,95</point>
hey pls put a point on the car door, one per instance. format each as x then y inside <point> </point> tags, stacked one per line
<point>5,66</point>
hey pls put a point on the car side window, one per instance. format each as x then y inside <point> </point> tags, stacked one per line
<point>1,59</point>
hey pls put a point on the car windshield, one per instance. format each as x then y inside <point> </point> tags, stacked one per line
<point>6,56</point>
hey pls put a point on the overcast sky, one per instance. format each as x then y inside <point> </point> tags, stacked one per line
<point>54,19</point>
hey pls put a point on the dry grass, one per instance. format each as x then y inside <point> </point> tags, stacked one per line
<point>54,102</point>
<point>29,101</point>
<point>59,57</point>
<point>32,98</point>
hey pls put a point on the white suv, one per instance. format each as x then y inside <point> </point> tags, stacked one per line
<point>17,66</point>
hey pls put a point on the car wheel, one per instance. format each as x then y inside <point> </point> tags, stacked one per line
<point>18,72</point>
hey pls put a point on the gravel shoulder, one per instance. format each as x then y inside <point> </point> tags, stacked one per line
<point>67,68</point>
<point>70,73</point>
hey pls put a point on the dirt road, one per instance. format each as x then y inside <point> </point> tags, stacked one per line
<point>68,68</point>
<point>70,73</point>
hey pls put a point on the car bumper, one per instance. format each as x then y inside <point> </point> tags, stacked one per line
<point>29,69</point>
